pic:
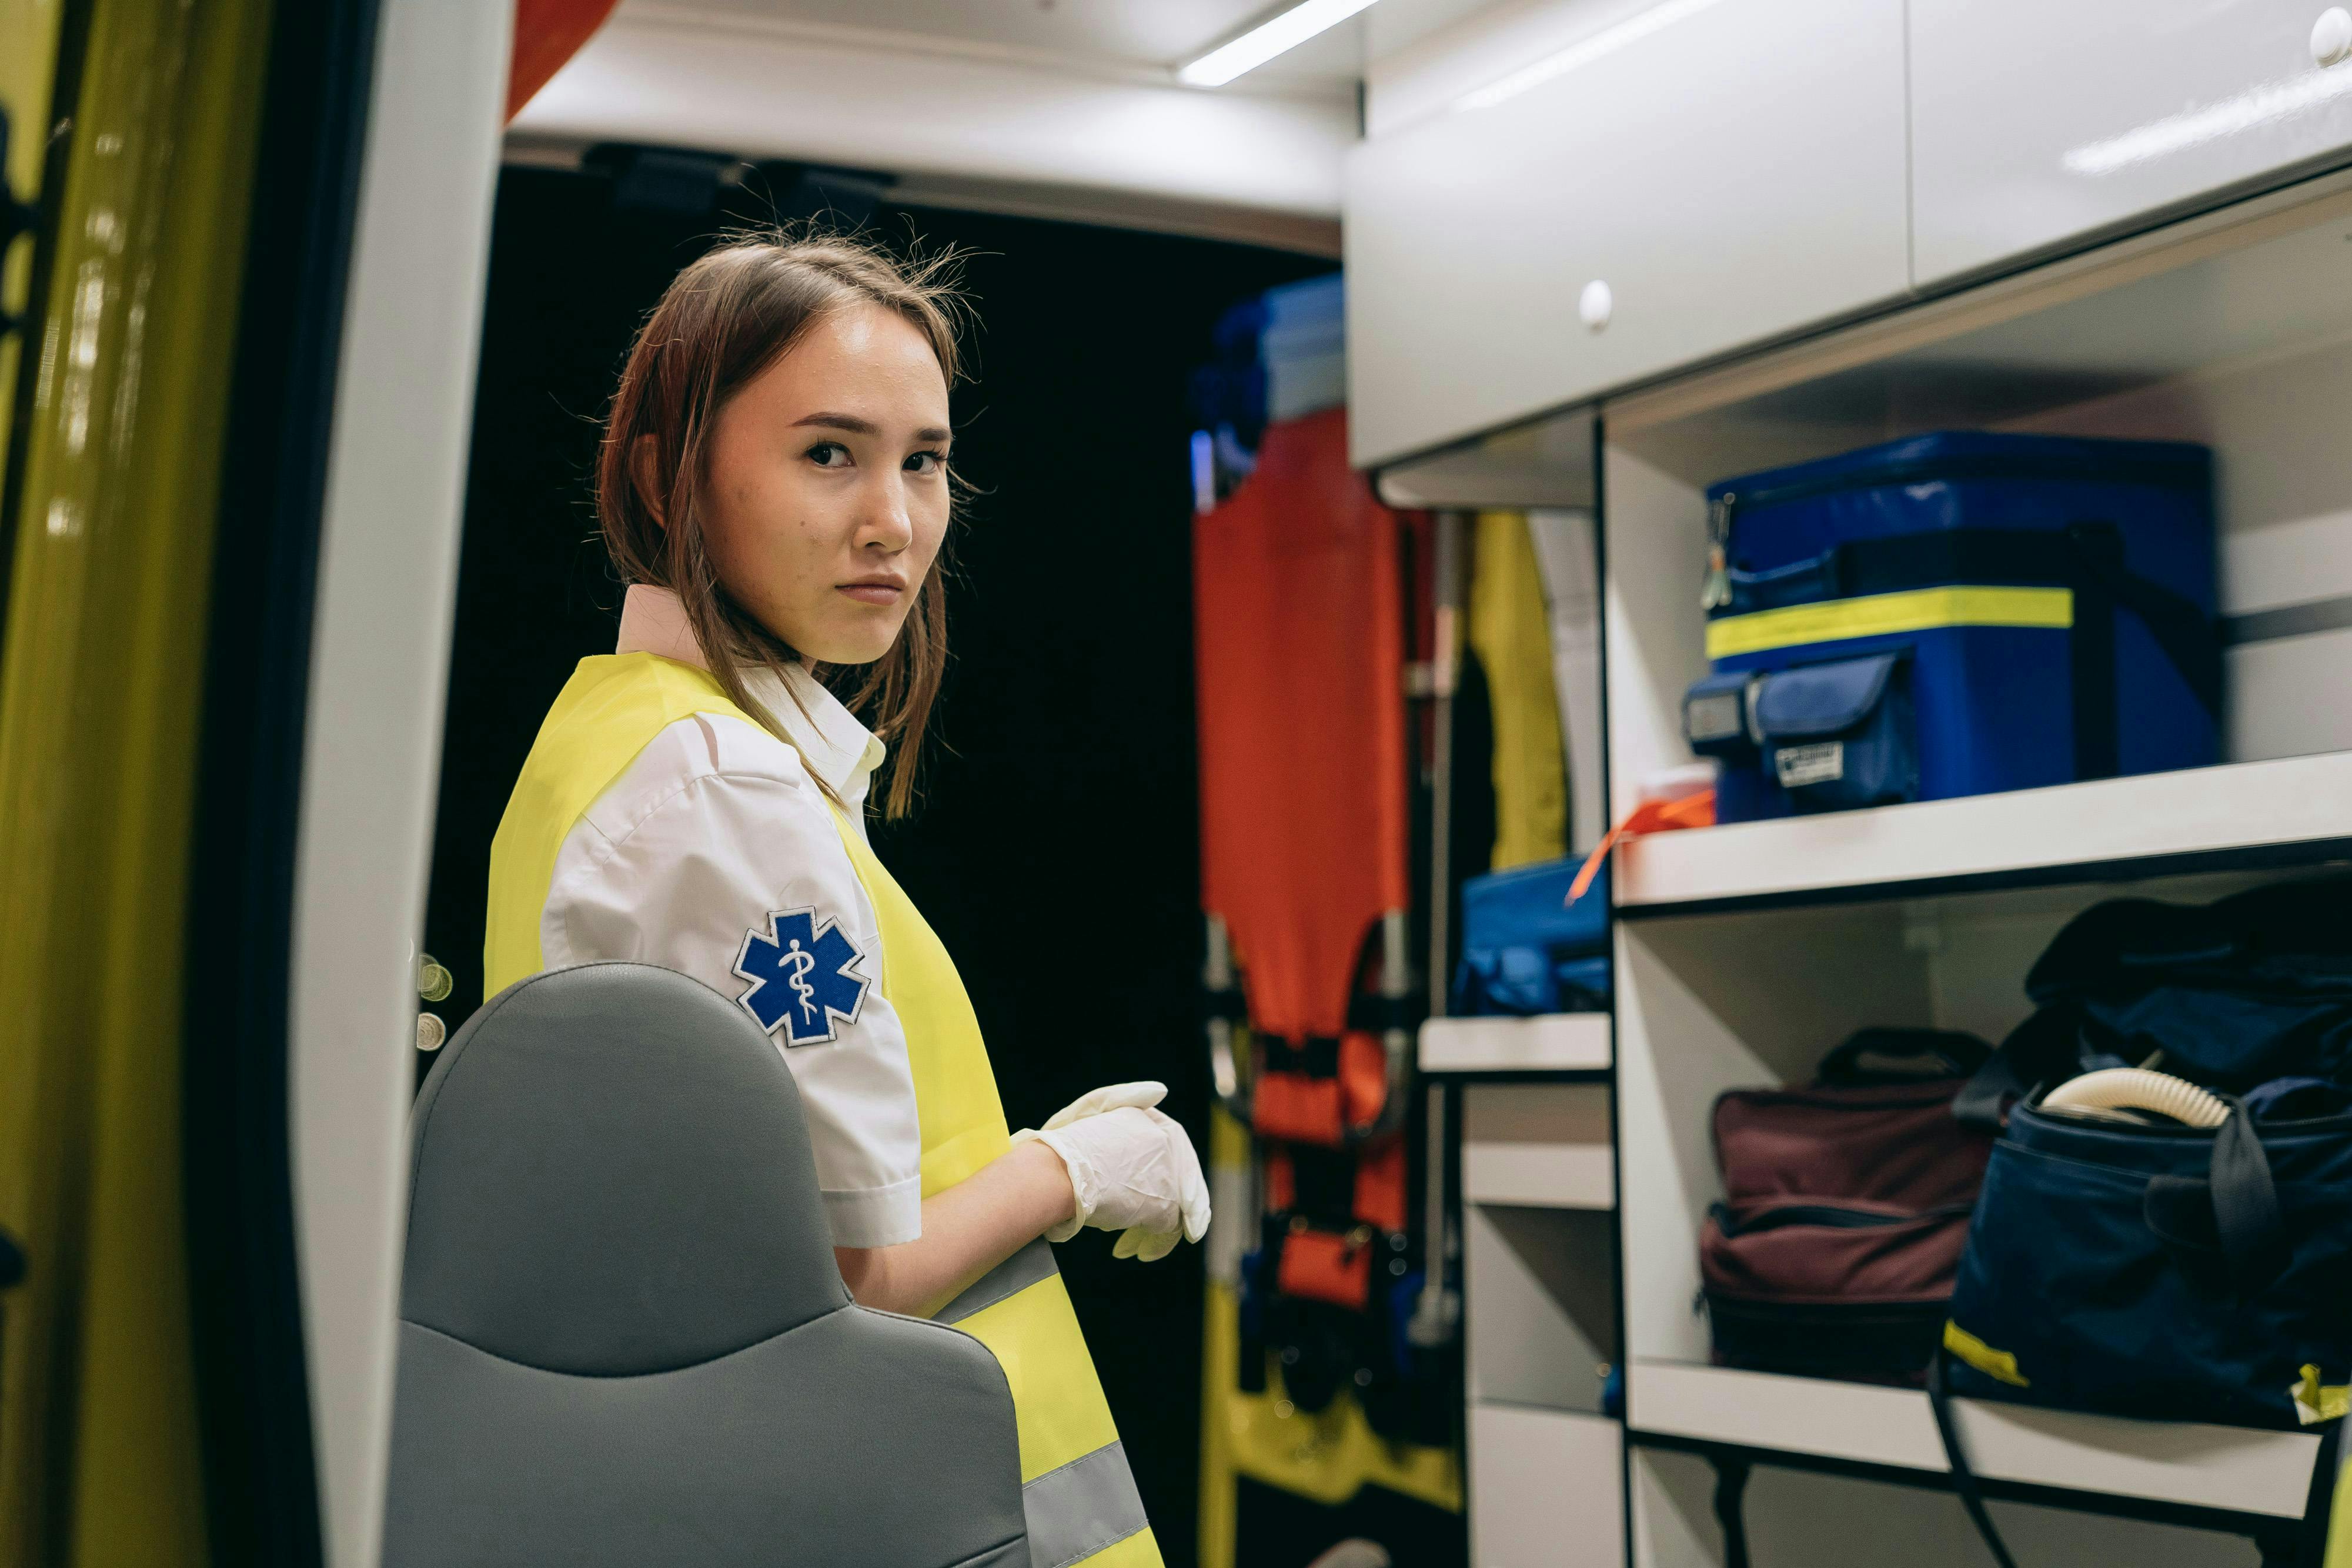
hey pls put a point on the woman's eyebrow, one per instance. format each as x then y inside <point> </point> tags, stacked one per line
<point>857,426</point>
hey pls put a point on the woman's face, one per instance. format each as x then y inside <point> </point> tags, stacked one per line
<point>827,494</point>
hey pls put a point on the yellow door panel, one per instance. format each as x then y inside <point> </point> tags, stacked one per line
<point>28,62</point>
<point>100,678</point>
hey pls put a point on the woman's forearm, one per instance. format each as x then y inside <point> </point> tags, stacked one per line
<point>968,1230</point>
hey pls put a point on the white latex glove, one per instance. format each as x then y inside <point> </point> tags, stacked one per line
<point>1142,1095</point>
<point>1131,1170</point>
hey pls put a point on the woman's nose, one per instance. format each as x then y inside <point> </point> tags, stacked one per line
<point>887,522</point>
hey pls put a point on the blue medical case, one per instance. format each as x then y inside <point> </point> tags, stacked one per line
<point>1526,949</point>
<point>1958,614</point>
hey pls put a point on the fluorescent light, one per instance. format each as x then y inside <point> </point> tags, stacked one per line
<point>1277,35</point>
<point>2264,105</point>
<point>1609,40</point>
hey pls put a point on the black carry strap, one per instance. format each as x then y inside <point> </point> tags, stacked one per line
<point>2245,1199</point>
<point>2232,1208</point>
<point>1964,1480</point>
<point>2188,637</point>
<point>1962,1054</point>
<point>2091,651</point>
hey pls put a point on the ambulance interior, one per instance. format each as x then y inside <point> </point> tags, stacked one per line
<point>1378,417</point>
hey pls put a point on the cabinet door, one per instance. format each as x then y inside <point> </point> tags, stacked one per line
<point>2034,122</point>
<point>1727,170</point>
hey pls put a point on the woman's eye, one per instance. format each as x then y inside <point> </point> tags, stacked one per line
<point>829,454</point>
<point>927,462</point>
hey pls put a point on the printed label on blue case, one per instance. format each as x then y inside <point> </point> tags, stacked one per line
<point>1823,762</point>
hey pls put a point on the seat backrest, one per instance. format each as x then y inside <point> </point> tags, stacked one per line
<point>623,1337</point>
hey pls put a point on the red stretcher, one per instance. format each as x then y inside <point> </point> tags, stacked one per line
<point>1302,618</point>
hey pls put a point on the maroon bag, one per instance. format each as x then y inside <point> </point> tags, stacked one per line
<point>1845,1208</point>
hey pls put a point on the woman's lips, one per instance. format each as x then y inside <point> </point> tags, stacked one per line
<point>877,590</point>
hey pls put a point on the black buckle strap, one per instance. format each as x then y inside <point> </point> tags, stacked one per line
<point>1316,1056</point>
<point>1956,1457</point>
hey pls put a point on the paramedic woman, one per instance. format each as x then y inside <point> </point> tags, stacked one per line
<point>773,486</point>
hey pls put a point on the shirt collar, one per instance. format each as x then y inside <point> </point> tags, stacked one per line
<point>832,743</point>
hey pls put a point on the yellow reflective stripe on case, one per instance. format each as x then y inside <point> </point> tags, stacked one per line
<point>1884,614</point>
<point>1995,1364</point>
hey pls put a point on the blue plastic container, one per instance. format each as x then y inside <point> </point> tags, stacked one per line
<point>1958,614</point>
<point>1526,949</point>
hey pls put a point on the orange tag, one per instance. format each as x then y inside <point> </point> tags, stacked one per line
<point>1649,817</point>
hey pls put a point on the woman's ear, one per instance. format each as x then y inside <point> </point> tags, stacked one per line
<point>644,473</point>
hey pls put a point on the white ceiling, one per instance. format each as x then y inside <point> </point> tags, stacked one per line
<point>1066,108</point>
<point>1118,33</point>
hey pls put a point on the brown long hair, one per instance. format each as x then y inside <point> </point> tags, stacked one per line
<point>723,321</point>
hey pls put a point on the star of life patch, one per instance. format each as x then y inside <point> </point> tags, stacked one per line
<point>801,981</point>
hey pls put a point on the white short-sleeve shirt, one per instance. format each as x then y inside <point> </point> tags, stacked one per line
<point>714,854</point>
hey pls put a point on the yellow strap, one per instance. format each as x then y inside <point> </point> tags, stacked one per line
<point>1884,614</point>
<point>2315,1402</point>
<point>1998,1364</point>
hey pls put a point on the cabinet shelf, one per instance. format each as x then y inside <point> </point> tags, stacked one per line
<point>2228,1468</point>
<point>2289,810</point>
<point>1547,1043</point>
<point>1544,1145</point>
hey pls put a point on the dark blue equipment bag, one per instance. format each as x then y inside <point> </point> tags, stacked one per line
<point>1958,614</point>
<point>2159,1271</point>
<point>1526,949</point>
<point>2165,1272</point>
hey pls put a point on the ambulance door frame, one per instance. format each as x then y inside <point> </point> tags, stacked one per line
<point>379,663</point>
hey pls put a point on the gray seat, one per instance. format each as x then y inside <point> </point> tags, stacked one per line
<point>623,1338</point>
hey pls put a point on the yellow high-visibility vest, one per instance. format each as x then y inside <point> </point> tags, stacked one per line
<point>1078,1492</point>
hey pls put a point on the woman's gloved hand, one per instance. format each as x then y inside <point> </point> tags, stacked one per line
<point>1132,1169</point>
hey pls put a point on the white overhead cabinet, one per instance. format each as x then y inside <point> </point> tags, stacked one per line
<point>1692,178</point>
<point>2034,124</point>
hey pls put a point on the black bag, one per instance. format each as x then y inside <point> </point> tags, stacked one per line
<point>2232,995</point>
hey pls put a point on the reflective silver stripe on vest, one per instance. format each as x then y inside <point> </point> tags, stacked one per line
<point>1032,1264</point>
<point>1079,1510</point>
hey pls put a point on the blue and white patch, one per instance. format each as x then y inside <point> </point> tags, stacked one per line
<point>799,971</point>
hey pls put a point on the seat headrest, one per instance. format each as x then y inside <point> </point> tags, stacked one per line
<point>611,1177</point>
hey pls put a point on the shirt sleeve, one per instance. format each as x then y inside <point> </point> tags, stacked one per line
<point>731,879</point>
